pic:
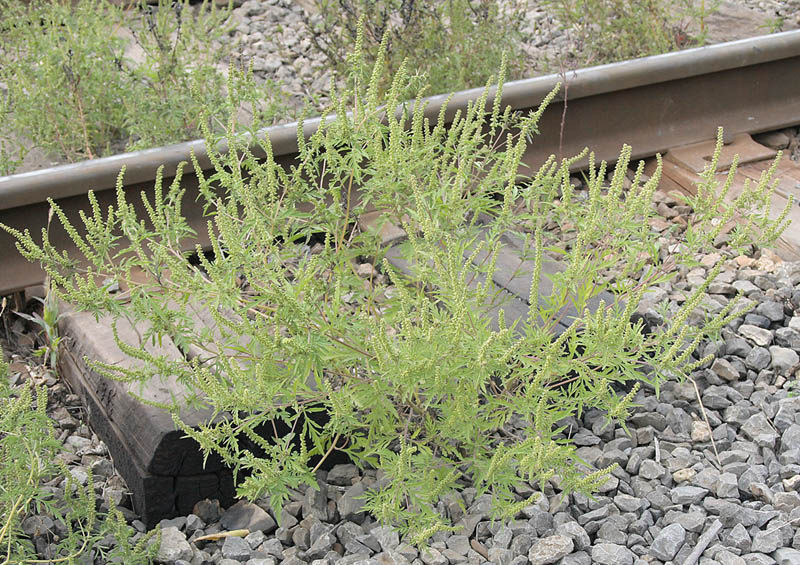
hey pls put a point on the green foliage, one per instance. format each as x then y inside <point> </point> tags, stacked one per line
<point>454,44</point>
<point>11,152</point>
<point>28,450</point>
<point>61,75</point>
<point>48,324</point>
<point>75,90</point>
<point>178,83</point>
<point>615,30</point>
<point>774,24</point>
<point>407,367</point>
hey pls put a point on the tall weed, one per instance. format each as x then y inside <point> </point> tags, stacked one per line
<point>79,87</point>
<point>54,524</point>
<point>606,31</point>
<point>454,44</point>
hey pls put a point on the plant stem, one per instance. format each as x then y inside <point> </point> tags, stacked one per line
<point>327,453</point>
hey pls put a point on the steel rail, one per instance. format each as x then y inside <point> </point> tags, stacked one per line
<point>652,104</point>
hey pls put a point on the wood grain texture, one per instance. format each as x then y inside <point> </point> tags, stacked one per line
<point>512,307</point>
<point>697,156</point>
<point>678,173</point>
<point>149,453</point>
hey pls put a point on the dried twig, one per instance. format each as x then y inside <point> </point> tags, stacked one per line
<point>705,417</point>
<point>703,543</point>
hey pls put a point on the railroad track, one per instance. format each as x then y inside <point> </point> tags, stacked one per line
<point>669,104</point>
<point>653,104</point>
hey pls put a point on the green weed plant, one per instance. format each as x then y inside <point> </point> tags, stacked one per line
<point>453,44</point>
<point>73,89</point>
<point>459,44</point>
<point>615,30</point>
<point>48,328</point>
<point>70,522</point>
<point>405,367</point>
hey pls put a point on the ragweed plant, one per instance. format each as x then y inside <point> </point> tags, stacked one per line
<point>455,44</point>
<point>408,368</point>
<point>65,524</point>
<point>48,326</point>
<point>102,91</point>
<point>62,64</point>
<point>11,152</point>
<point>178,80</point>
<point>614,30</point>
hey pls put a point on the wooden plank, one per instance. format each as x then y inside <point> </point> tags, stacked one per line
<point>681,168</point>
<point>549,267</point>
<point>204,320</point>
<point>512,278</point>
<point>514,274</point>
<point>788,245</point>
<point>151,430</point>
<point>697,156</point>
<point>190,489</point>
<point>142,440</point>
<point>666,183</point>
<point>390,233</point>
<point>676,173</point>
<point>787,174</point>
<point>152,498</point>
<point>512,307</point>
<point>675,176</point>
